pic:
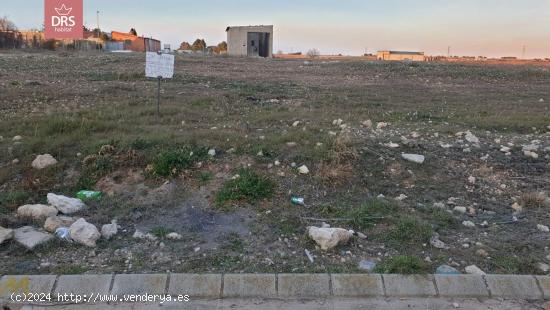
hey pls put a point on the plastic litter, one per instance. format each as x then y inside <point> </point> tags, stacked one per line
<point>297,201</point>
<point>367,265</point>
<point>87,195</point>
<point>63,233</point>
<point>446,269</point>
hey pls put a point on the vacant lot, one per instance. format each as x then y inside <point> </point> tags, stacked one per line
<point>96,114</point>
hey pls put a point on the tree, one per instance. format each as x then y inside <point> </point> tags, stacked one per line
<point>133,31</point>
<point>6,24</point>
<point>313,53</point>
<point>199,45</point>
<point>222,47</point>
<point>185,46</point>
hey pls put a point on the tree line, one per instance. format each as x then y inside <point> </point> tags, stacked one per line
<point>200,45</point>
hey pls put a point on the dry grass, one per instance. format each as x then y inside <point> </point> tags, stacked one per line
<point>534,200</point>
<point>338,168</point>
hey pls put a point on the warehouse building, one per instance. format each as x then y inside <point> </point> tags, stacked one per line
<point>254,41</point>
<point>401,56</point>
<point>130,42</point>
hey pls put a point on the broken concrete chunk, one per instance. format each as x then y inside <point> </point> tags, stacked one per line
<point>54,222</point>
<point>109,230</point>
<point>84,233</point>
<point>5,234</point>
<point>37,212</point>
<point>473,269</point>
<point>329,238</point>
<point>66,205</point>
<point>30,237</point>
<point>303,169</point>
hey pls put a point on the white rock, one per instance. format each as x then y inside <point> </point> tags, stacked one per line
<point>543,267</point>
<point>472,180</point>
<point>438,244</point>
<point>295,124</point>
<point>15,161</point>
<point>5,234</point>
<point>337,122</point>
<point>174,236</point>
<point>401,197</point>
<point>367,124</point>
<point>459,209</point>
<point>419,159</point>
<point>531,154</point>
<point>473,269</point>
<point>84,233</point>
<point>328,238</point>
<point>37,212</point>
<point>303,170</point>
<point>17,138</point>
<point>469,224</point>
<point>54,222</point>
<point>381,125</point>
<point>277,163</point>
<point>505,149</point>
<point>65,205</point>
<point>140,235</point>
<point>391,145</point>
<point>212,152</point>
<point>109,230</point>
<point>543,228</point>
<point>43,161</point>
<point>439,205</point>
<point>470,137</point>
<point>29,237</point>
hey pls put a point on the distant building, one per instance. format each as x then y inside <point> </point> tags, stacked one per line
<point>250,41</point>
<point>134,43</point>
<point>401,55</point>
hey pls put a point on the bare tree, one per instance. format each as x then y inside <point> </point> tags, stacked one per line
<point>6,24</point>
<point>313,53</point>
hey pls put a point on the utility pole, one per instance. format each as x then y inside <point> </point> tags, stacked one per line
<point>523,52</point>
<point>448,51</point>
<point>98,30</point>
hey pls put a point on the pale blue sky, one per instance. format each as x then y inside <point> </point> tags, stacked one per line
<point>470,27</point>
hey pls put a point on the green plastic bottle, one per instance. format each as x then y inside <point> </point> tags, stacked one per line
<point>88,195</point>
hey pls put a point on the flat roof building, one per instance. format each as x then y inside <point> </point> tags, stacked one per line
<point>254,41</point>
<point>401,55</point>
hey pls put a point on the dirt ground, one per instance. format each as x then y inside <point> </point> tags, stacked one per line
<point>472,122</point>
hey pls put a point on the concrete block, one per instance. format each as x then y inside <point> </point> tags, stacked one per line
<point>511,286</point>
<point>196,285</point>
<point>304,285</point>
<point>357,285</point>
<point>249,285</point>
<point>139,284</point>
<point>26,284</point>
<point>462,286</point>
<point>83,284</point>
<point>409,285</point>
<point>544,283</point>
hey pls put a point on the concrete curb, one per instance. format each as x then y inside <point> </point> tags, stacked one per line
<point>282,285</point>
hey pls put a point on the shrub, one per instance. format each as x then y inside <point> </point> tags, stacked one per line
<point>402,265</point>
<point>370,212</point>
<point>409,230</point>
<point>171,162</point>
<point>249,187</point>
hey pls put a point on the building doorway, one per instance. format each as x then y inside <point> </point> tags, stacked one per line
<point>258,44</point>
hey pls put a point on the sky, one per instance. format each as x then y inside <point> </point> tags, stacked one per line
<point>491,28</point>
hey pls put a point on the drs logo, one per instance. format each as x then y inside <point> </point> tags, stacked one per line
<point>63,19</point>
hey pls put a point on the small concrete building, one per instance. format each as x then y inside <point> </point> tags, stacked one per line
<point>400,56</point>
<point>250,41</point>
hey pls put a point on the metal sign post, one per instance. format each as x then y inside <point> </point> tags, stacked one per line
<point>158,96</point>
<point>159,66</point>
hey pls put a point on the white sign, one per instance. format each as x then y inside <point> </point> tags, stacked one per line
<point>159,65</point>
